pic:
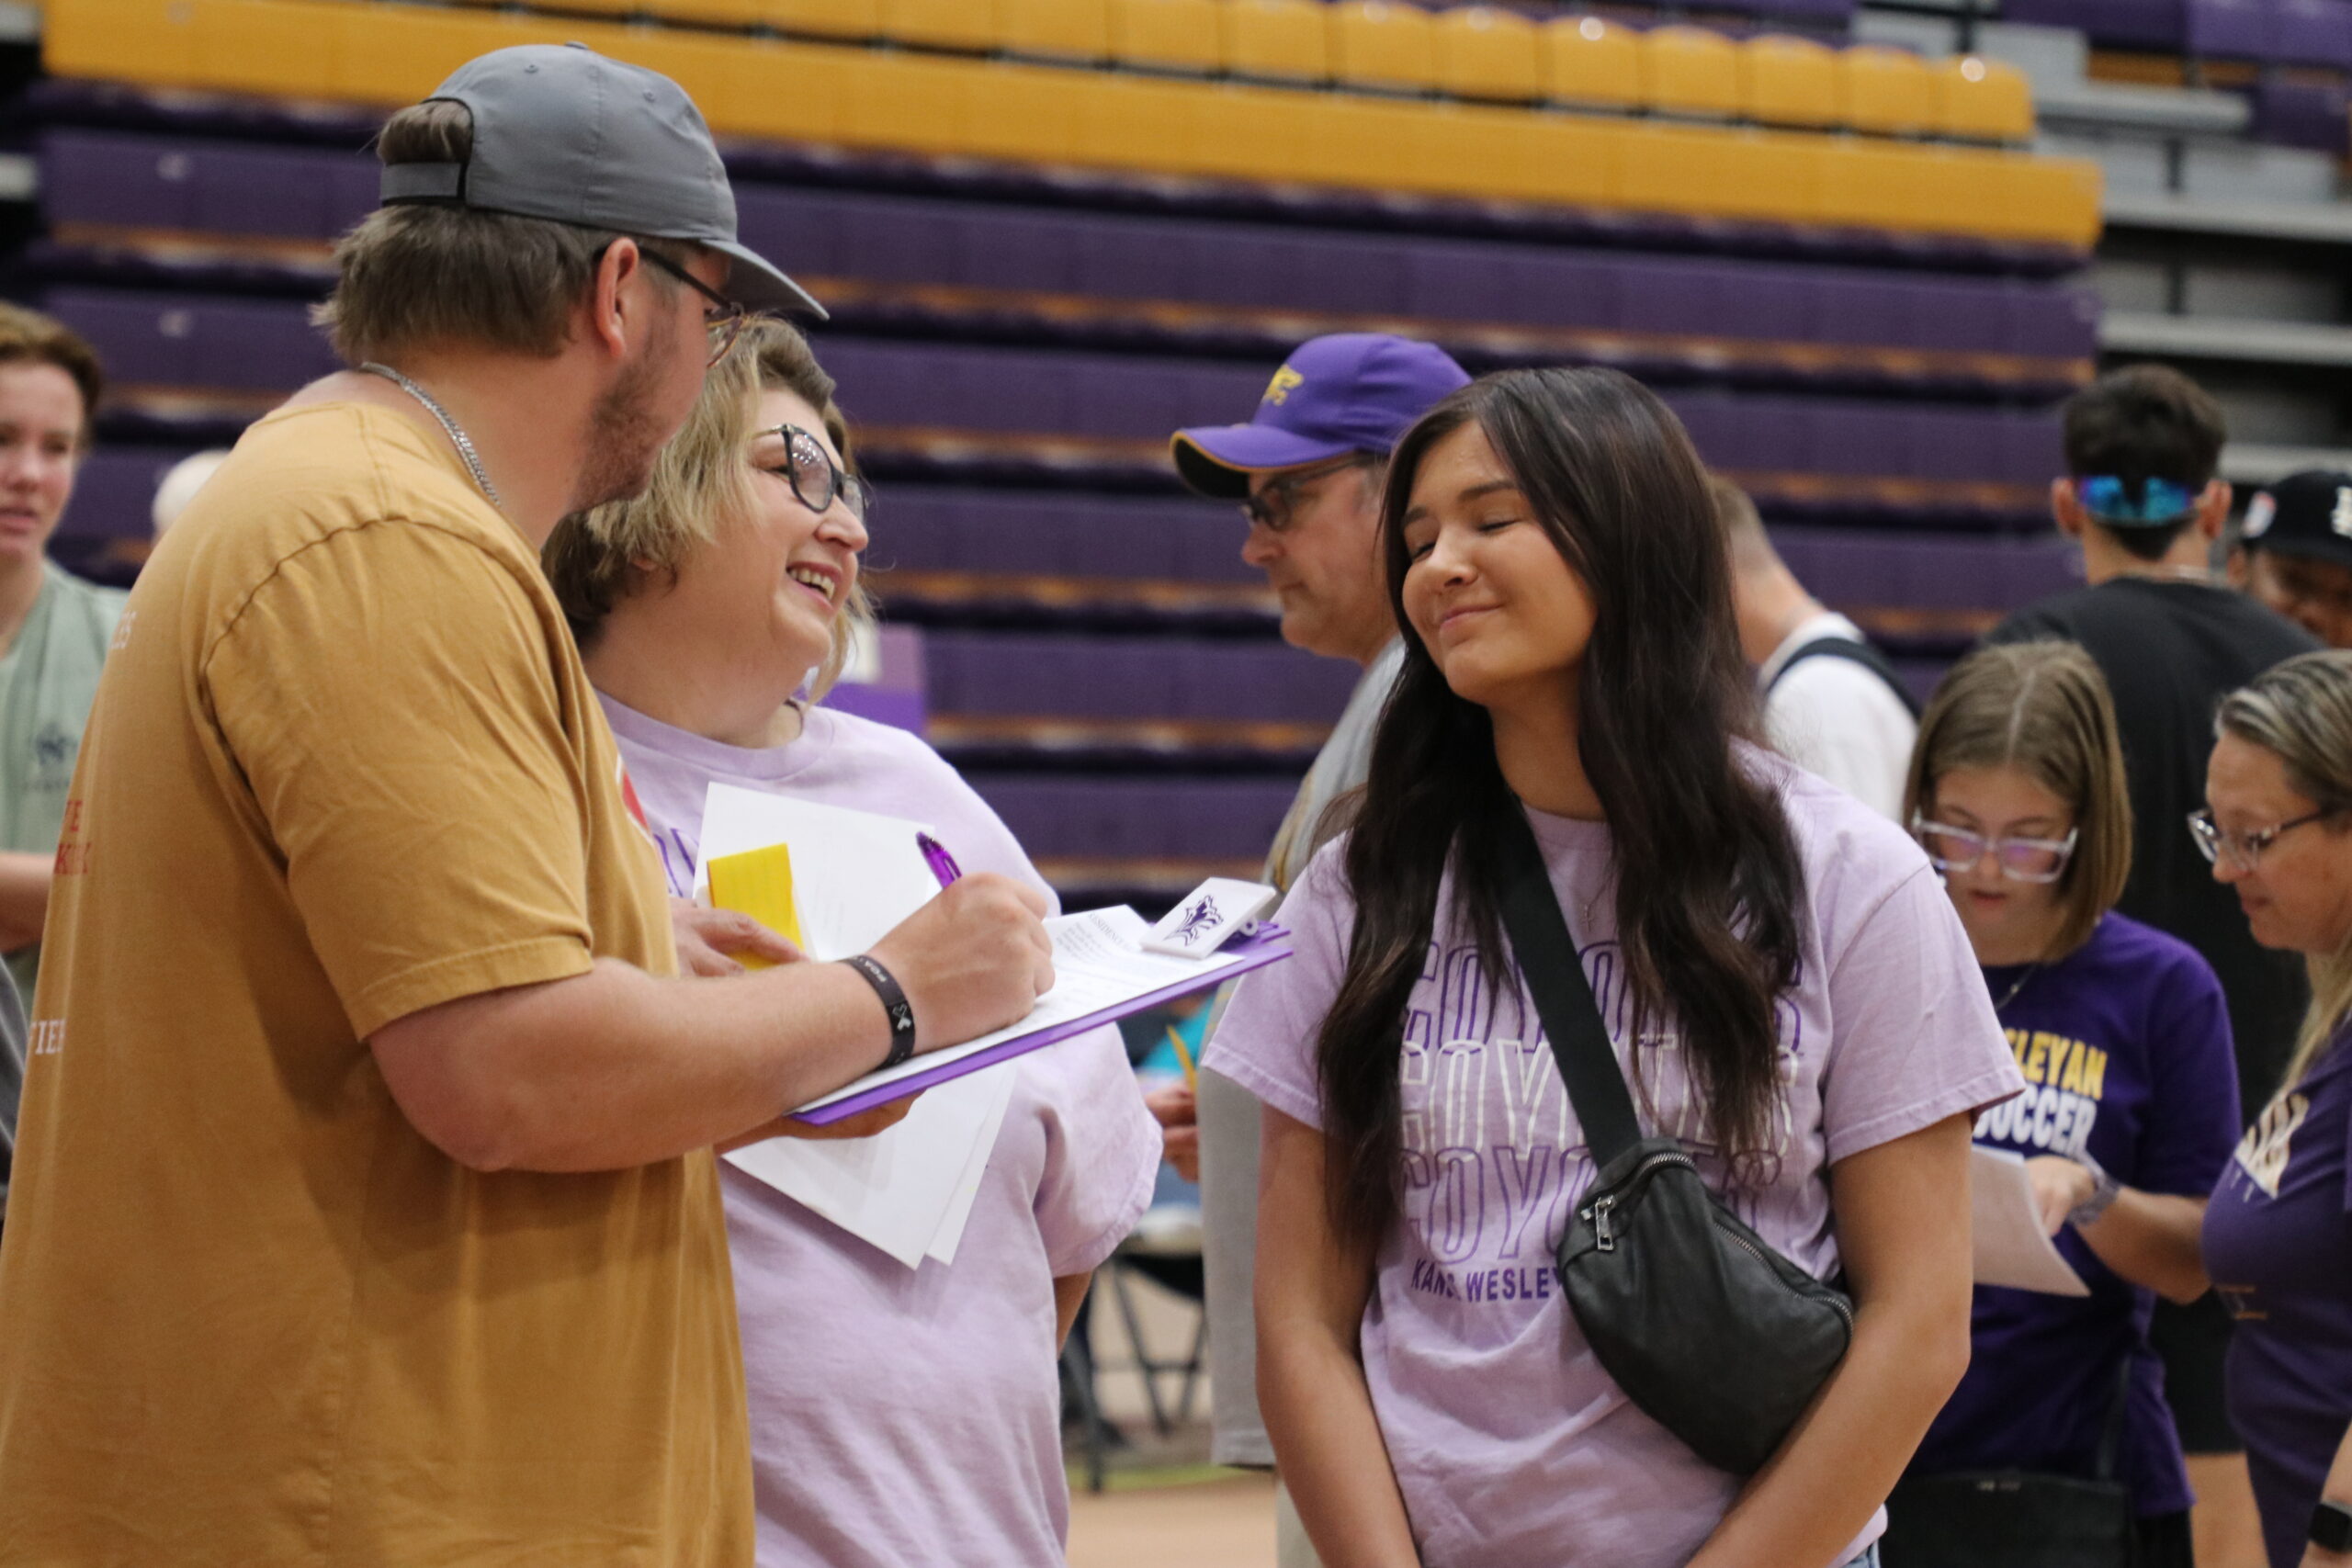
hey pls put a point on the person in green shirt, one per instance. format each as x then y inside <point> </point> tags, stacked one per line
<point>55,629</point>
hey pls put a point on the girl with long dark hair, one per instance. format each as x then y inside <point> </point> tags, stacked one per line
<point>1783,979</point>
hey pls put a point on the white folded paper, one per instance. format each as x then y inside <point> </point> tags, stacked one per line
<point>855,875</point>
<point>2012,1248</point>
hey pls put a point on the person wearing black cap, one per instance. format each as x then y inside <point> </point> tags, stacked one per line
<point>2294,552</point>
<point>2142,497</point>
<point>1306,470</point>
<point>365,1209</point>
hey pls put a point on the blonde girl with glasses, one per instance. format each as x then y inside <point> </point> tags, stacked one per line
<point>2017,794</point>
<point>2278,1234</point>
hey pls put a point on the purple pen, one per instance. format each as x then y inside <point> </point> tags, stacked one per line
<point>934,854</point>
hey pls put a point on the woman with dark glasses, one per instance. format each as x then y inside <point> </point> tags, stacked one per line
<point>2017,794</point>
<point>899,1415</point>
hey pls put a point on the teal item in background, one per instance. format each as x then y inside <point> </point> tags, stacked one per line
<point>49,678</point>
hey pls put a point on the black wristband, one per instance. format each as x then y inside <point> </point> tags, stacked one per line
<point>2331,1529</point>
<point>894,1002</point>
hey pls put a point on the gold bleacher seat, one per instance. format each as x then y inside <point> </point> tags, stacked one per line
<point>1172,35</point>
<point>1982,100</point>
<point>1483,51</point>
<point>1689,71</point>
<point>942,24</point>
<point>828,18</point>
<point>1283,40</point>
<point>1884,90</point>
<point>1788,80</point>
<point>1055,29</point>
<point>1588,61</point>
<point>914,101</point>
<point>1381,44</point>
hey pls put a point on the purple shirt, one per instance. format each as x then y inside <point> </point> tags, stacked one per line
<point>2278,1244</point>
<point>912,1415</point>
<point>2125,1047</point>
<point>1508,1441</point>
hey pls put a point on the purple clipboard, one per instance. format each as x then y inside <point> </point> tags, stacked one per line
<point>1266,945</point>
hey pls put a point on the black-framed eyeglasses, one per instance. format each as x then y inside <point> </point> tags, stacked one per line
<point>1958,850</point>
<point>1275,506</point>
<point>815,479</point>
<point>722,318</point>
<point>2243,851</point>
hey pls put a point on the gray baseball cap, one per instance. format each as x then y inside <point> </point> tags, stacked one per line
<point>561,132</point>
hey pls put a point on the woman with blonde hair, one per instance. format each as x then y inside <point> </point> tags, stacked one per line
<point>2278,1234</point>
<point>897,1414</point>
<point>2016,793</point>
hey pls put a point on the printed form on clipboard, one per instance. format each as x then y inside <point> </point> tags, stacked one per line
<point>844,878</point>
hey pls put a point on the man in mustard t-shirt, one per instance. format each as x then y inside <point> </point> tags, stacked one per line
<point>365,1211</point>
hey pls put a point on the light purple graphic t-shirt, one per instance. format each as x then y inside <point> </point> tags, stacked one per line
<point>1510,1442</point>
<point>912,1414</point>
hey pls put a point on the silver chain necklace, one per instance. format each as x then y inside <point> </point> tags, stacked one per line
<point>457,437</point>
<point>2030,971</point>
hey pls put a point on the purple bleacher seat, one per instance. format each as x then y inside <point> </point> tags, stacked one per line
<point>1696,296</point>
<point>2303,114</point>
<point>807,231</point>
<point>143,339</point>
<point>2054,321</point>
<point>1039,252</point>
<point>1563,288</point>
<point>2124,24</point>
<point>2233,30</point>
<point>2032,451</point>
<point>1864,440</point>
<point>114,493</point>
<point>2312,33</point>
<point>1960,317</point>
<point>277,193</point>
<point>1226,818</point>
<point>897,241</point>
<point>91,176</point>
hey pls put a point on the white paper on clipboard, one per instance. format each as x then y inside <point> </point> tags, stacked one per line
<point>2012,1248</point>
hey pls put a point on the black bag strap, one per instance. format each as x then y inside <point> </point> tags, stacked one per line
<point>1853,652</point>
<point>2110,1437</point>
<point>1547,957</point>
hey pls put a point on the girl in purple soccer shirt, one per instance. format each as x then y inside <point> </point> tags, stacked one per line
<point>2130,1107</point>
<point>2278,826</point>
<point>898,1415</point>
<point>1786,985</point>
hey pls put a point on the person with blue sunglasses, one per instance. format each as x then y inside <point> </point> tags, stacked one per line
<point>2143,498</point>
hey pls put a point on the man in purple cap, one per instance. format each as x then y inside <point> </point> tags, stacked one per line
<point>1307,471</point>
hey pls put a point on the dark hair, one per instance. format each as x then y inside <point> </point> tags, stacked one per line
<point>1710,887</point>
<point>426,272</point>
<point>2141,423</point>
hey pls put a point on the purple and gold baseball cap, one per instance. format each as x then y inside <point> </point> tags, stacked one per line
<point>1349,392</point>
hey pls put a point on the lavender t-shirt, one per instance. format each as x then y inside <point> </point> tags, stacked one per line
<point>1510,1442</point>
<point>911,1415</point>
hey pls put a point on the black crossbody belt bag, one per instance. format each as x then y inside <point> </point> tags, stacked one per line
<point>1711,1332</point>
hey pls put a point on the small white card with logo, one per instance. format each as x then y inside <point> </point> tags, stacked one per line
<point>1211,914</point>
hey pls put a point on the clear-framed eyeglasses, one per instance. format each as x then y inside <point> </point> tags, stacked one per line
<point>2241,850</point>
<point>815,479</point>
<point>1275,506</point>
<point>1956,850</point>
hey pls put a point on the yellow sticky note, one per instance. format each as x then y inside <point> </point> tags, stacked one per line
<point>758,882</point>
